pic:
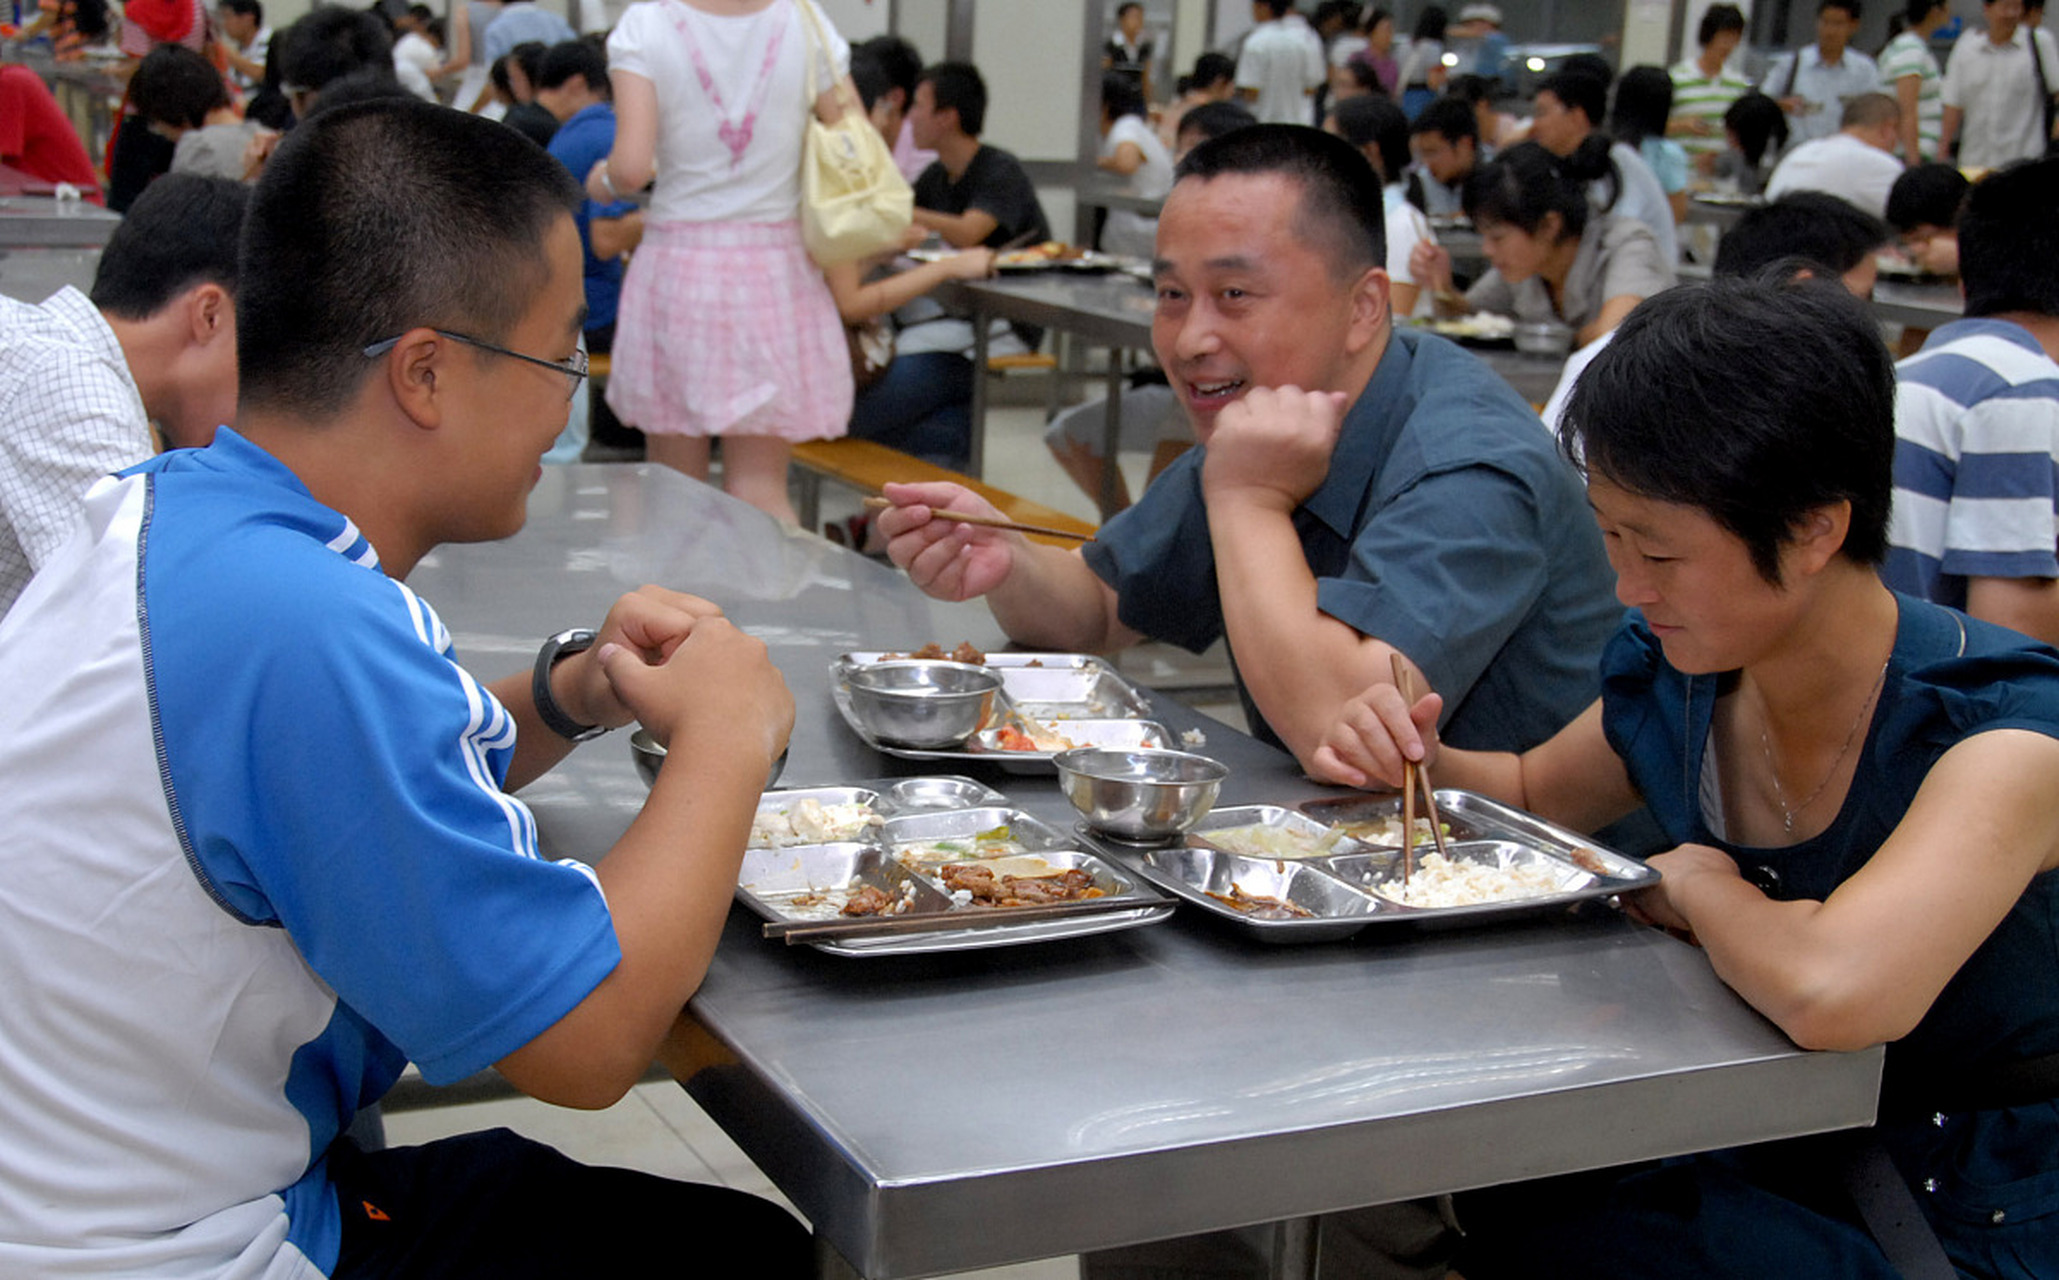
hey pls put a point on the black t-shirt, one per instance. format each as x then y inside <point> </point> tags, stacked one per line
<point>995,184</point>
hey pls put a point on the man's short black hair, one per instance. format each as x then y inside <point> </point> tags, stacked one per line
<point>1126,6</point>
<point>1590,64</point>
<point>377,218</point>
<point>1212,69</point>
<point>1830,235</point>
<point>1915,11</point>
<point>329,43</point>
<point>1451,117</point>
<point>569,58</point>
<point>248,8</point>
<point>1214,119</point>
<point>1376,121</point>
<point>366,84</point>
<point>1470,89</point>
<point>181,232</point>
<point>1927,195</point>
<point>2009,241</point>
<point>175,86</point>
<point>959,86</point>
<point>1580,91</point>
<point>1851,8</point>
<point>1341,211</point>
<point>1684,407</point>
<point>1277,7</point>
<point>900,61</point>
<point>1718,18</point>
<point>868,77</point>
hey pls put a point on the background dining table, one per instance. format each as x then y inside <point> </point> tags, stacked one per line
<point>931,1113</point>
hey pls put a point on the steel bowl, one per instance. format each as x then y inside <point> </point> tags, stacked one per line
<point>920,703</point>
<point>1544,338</point>
<point>649,755</point>
<point>1139,794</point>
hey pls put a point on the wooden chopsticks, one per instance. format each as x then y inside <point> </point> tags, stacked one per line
<point>1414,776</point>
<point>990,522</point>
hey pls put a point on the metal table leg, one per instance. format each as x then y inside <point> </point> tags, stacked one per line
<point>1111,436</point>
<point>976,448</point>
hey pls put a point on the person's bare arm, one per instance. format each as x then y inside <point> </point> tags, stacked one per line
<point>716,700</point>
<point>1864,965</point>
<point>633,161</point>
<point>2029,605</point>
<point>1042,595</point>
<point>459,54</point>
<point>1612,313</point>
<point>858,301</point>
<point>1125,159</point>
<point>613,237</point>
<point>1907,89</point>
<point>1948,131</point>
<point>1573,778</point>
<point>959,230</point>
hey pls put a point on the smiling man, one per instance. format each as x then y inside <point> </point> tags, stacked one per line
<point>1358,491</point>
<point>261,847</point>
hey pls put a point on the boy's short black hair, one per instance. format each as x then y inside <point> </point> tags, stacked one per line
<point>1214,119</point>
<point>1828,234</point>
<point>868,77</point>
<point>248,8</point>
<point>1851,8</point>
<point>1451,117</point>
<point>177,87</point>
<point>899,60</point>
<point>1212,69</point>
<point>2009,241</point>
<point>959,86</point>
<point>1341,211</point>
<point>181,232</point>
<point>1580,91</point>
<point>381,217</point>
<point>569,58</point>
<point>1121,95</point>
<point>1719,18</point>
<point>1684,407</point>
<point>329,43</point>
<point>1927,195</point>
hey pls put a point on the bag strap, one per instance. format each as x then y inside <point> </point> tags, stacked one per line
<point>2037,71</point>
<point>1889,1210</point>
<point>818,48</point>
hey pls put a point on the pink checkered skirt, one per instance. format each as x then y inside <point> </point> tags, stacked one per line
<point>727,328</point>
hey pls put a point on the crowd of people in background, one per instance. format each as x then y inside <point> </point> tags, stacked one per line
<point>335,230</point>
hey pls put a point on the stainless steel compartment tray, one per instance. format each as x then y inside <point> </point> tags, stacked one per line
<point>886,797</point>
<point>1618,873</point>
<point>1288,830</point>
<point>1197,875</point>
<point>1356,813</point>
<point>962,826</point>
<point>1380,873</point>
<point>771,880</point>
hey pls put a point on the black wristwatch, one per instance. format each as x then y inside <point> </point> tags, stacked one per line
<point>562,645</point>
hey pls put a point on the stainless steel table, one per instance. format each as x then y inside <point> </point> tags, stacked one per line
<point>31,275</point>
<point>1101,196</point>
<point>46,222</point>
<point>1918,306</point>
<point>932,1114</point>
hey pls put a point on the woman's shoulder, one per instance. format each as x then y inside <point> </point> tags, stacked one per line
<point>1961,675</point>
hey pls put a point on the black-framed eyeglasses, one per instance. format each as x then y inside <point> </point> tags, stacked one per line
<point>574,369</point>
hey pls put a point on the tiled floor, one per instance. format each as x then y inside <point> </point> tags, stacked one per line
<point>657,1127</point>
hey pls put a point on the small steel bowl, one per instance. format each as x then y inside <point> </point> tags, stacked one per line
<point>922,704</point>
<point>1543,338</point>
<point>650,756</point>
<point>1139,794</point>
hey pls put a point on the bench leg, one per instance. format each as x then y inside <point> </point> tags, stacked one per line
<point>808,499</point>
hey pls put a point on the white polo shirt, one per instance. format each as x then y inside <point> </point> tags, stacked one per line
<point>1840,165</point>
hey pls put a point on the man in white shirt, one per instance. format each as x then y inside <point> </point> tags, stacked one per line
<point>416,59</point>
<point>1281,65</point>
<point>82,381</point>
<point>1813,83</point>
<point>1567,106</point>
<point>519,22</point>
<point>1996,87</point>
<point>247,40</point>
<point>1857,163</point>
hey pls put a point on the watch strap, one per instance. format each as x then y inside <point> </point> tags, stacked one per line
<point>560,646</point>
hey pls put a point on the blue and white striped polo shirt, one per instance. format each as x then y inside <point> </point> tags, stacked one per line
<point>1976,462</point>
<point>256,857</point>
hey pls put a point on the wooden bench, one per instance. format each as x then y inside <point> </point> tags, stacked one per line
<point>867,466</point>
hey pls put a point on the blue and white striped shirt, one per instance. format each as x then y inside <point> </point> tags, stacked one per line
<point>1976,462</point>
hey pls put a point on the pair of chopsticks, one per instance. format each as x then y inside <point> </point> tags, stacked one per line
<point>989,522</point>
<point>1414,776</point>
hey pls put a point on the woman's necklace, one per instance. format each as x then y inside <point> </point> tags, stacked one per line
<point>736,135</point>
<point>1789,813</point>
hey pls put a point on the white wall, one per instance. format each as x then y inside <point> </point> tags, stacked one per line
<point>1030,56</point>
<point>922,25</point>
